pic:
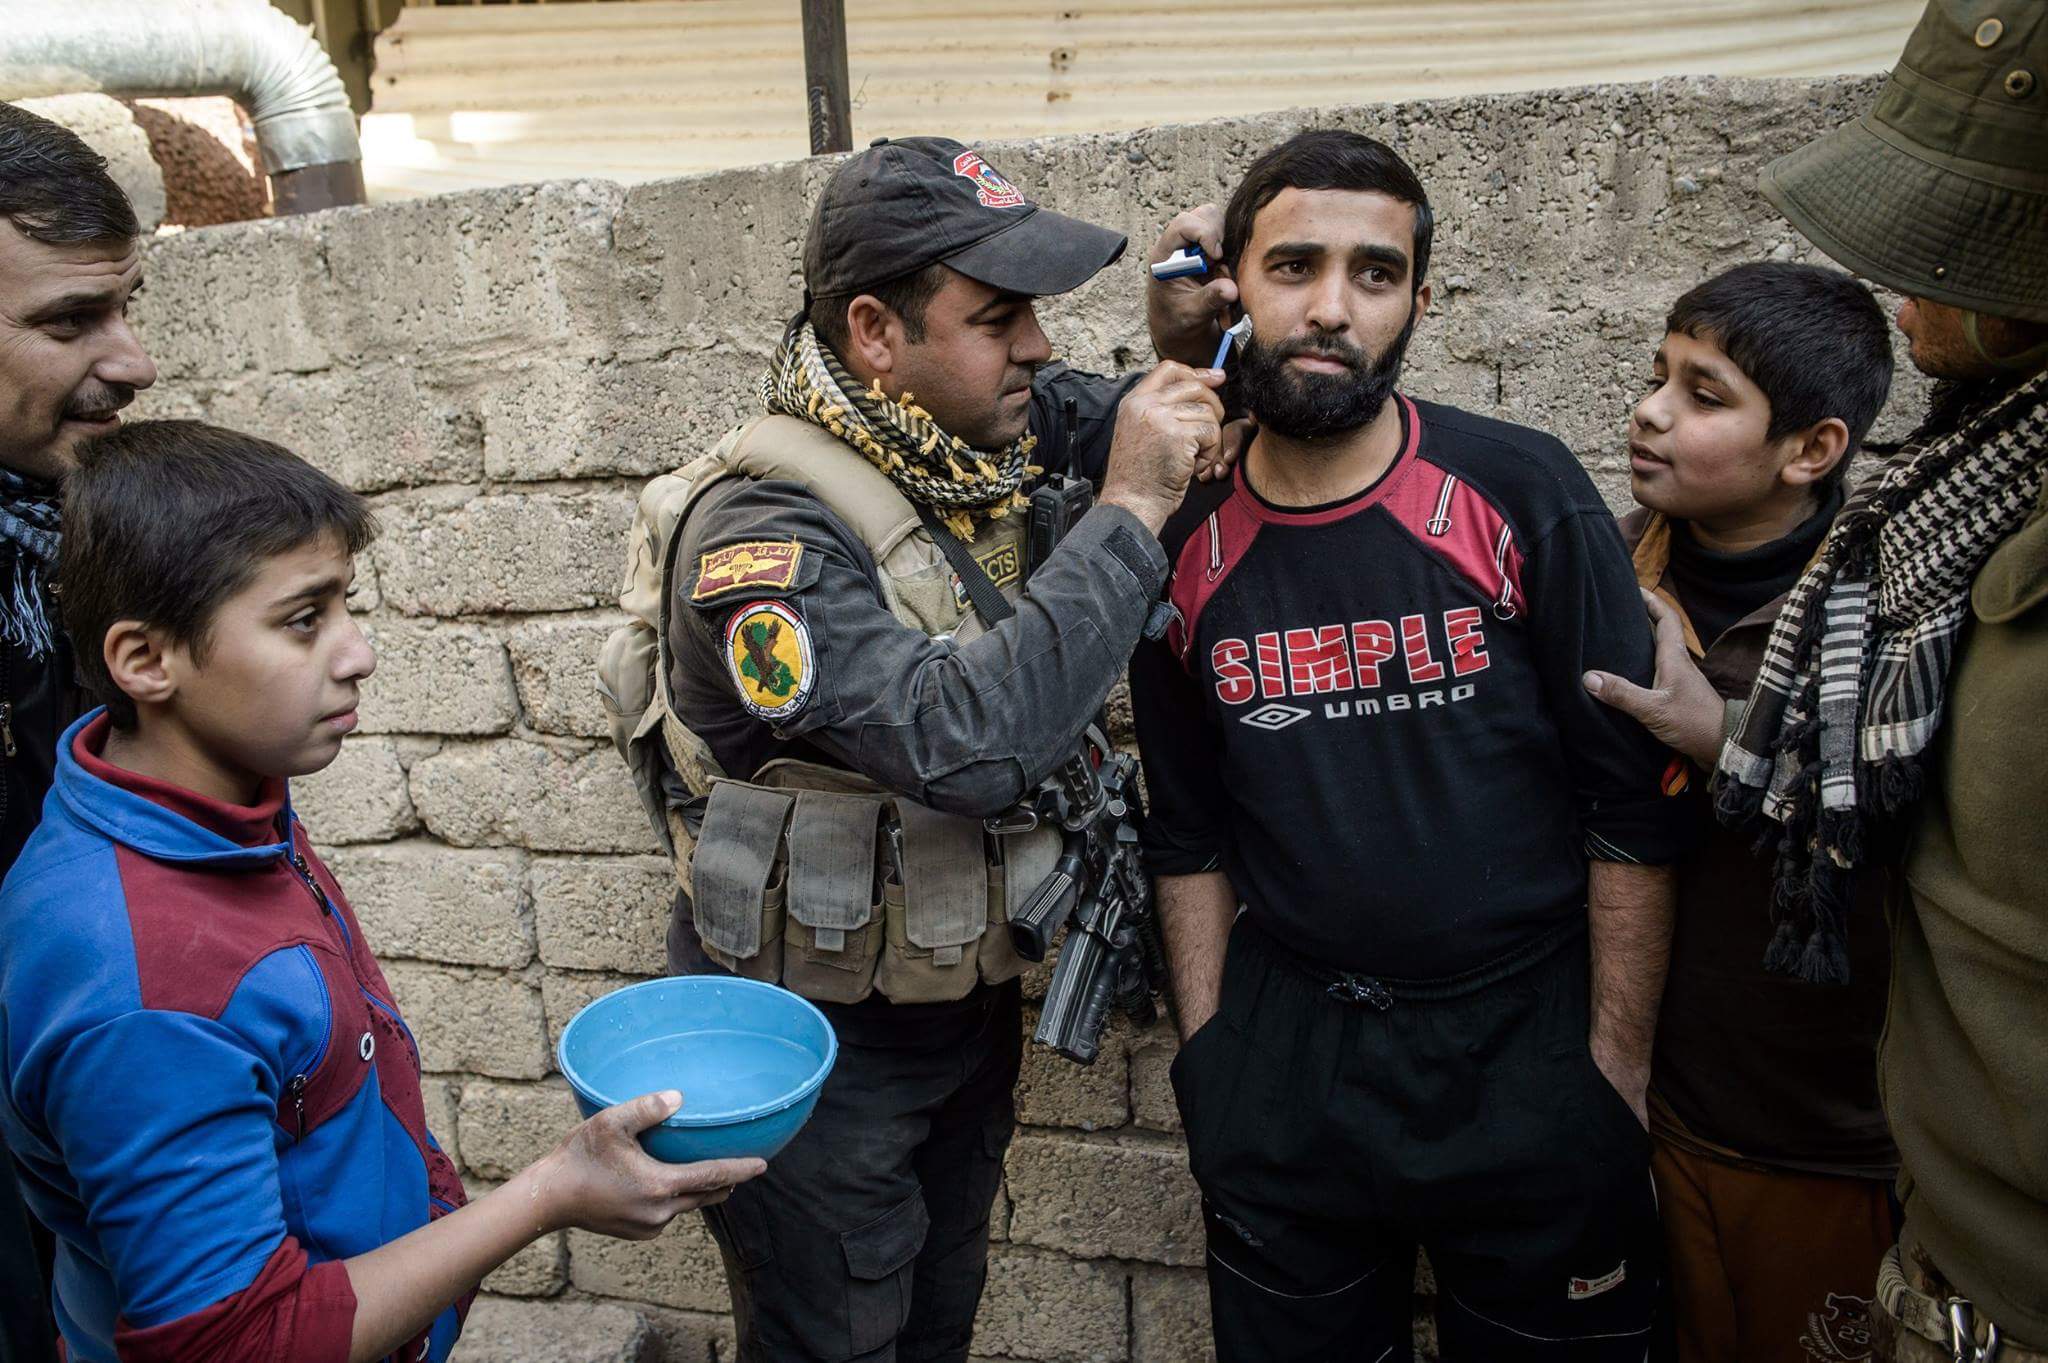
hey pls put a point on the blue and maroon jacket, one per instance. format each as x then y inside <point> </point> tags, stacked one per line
<point>203,1075</point>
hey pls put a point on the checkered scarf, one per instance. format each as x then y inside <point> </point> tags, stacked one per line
<point>927,465</point>
<point>29,533</point>
<point>1856,669</point>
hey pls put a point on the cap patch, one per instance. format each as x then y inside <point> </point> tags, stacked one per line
<point>989,186</point>
<point>754,564</point>
<point>768,652</point>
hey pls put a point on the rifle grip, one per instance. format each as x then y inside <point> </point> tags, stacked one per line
<point>1033,928</point>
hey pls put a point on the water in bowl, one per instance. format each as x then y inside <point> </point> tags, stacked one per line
<point>717,1071</point>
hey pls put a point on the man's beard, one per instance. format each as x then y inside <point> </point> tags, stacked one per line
<point>1310,406</point>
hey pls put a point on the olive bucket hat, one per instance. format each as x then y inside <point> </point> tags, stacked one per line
<point>1941,190</point>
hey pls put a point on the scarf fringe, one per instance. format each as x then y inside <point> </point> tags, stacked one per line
<point>31,527</point>
<point>26,624</point>
<point>1823,960</point>
<point>1783,955</point>
<point>1900,781</point>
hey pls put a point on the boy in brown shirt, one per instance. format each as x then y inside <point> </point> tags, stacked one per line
<point>1772,1161</point>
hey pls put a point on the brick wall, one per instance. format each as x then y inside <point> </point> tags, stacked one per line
<point>500,371</point>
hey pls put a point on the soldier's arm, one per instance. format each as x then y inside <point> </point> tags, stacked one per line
<point>966,728</point>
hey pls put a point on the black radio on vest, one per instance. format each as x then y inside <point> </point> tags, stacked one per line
<point>1055,505</point>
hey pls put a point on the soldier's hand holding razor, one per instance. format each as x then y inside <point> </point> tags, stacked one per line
<point>1166,426</point>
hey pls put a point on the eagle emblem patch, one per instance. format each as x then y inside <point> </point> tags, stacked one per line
<point>757,564</point>
<point>768,652</point>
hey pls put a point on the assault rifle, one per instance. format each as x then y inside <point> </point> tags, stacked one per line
<point>1098,890</point>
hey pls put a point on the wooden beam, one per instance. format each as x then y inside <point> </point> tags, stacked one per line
<point>826,98</point>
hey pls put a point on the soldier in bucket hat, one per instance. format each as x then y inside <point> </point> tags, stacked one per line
<point>1900,699</point>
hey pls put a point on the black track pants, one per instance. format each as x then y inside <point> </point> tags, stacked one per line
<point>867,1239</point>
<point>1330,1137</point>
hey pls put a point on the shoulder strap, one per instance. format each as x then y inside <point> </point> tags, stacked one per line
<point>791,450</point>
<point>988,598</point>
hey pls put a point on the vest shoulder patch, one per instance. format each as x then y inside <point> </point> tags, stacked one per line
<point>769,656</point>
<point>759,565</point>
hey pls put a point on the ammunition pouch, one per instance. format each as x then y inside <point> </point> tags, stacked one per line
<point>812,878</point>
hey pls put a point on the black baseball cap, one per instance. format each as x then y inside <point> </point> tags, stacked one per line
<point>909,202</point>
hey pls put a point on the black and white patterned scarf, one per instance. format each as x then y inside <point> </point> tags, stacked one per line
<point>28,554</point>
<point>1856,669</point>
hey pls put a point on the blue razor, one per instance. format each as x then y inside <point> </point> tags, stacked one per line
<point>1232,339</point>
<point>1187,261</point>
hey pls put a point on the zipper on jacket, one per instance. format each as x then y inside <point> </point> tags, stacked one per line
<point>297,1089</point>
<point>306,879</point>
<point>304,871</point>
<point>7,706</point>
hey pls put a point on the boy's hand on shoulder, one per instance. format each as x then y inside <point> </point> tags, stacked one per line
<point>599,1179</point>
<point>1680,708</point>
<point>1167,426</point>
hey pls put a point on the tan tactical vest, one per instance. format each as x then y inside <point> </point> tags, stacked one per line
<point>800,873</point>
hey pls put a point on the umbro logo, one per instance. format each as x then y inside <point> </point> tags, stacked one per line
<point>1275,717</point>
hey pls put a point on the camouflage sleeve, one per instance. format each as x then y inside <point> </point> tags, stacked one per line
<point>785,627</point>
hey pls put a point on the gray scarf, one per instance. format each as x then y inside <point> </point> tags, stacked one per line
<point>29,519</point>
<point>1856,671</point>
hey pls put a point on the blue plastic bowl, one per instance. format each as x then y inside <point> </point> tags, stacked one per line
<point>748,1057</point>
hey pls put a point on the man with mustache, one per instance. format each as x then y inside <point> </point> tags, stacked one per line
<point>1431,1025</point>
<point>70,259</point>
<point>861,687</point>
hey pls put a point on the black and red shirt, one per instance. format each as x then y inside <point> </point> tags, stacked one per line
<point>1370,713</point>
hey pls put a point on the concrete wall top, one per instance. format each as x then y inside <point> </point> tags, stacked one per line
<point>580,328</point>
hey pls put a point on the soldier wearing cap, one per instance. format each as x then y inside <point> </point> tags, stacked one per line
<point>833,725</point>
<point>1927,614</point>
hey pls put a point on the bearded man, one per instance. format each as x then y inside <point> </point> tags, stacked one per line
<point>1430,1022</point>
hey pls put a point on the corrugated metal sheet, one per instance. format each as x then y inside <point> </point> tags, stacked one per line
<point>467,96</point>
